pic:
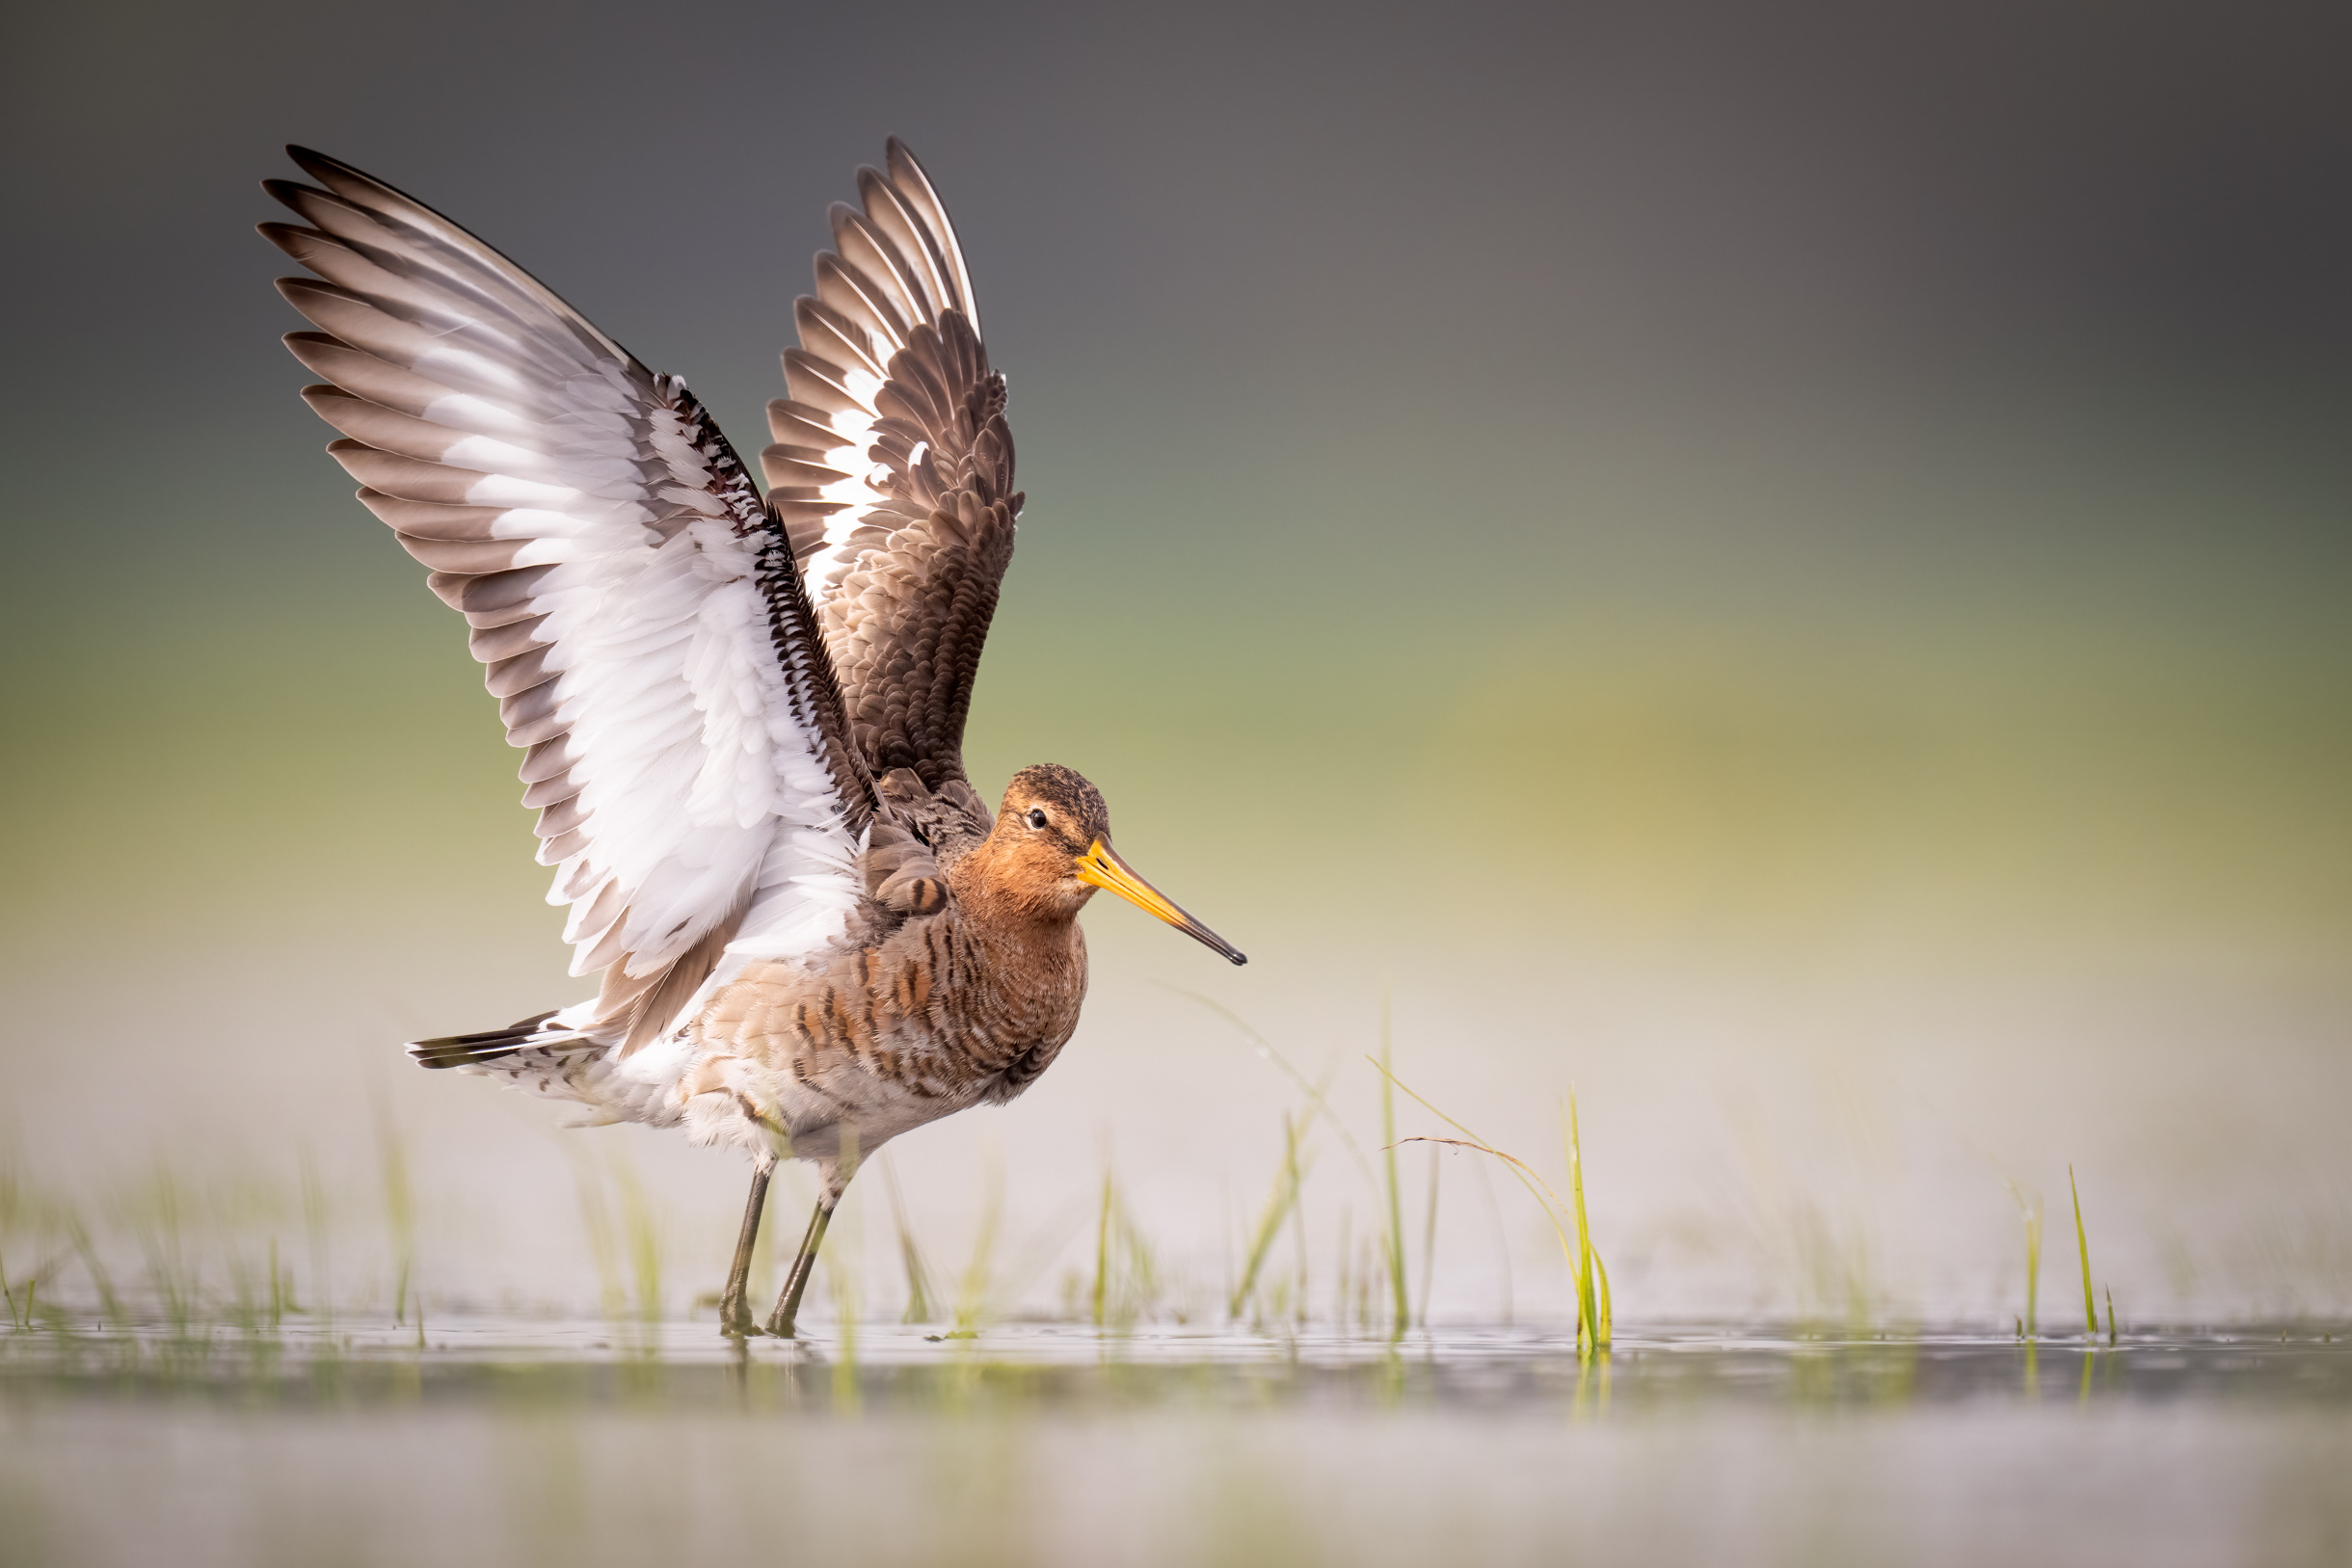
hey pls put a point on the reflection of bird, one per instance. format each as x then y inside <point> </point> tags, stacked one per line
<point>744,720</point>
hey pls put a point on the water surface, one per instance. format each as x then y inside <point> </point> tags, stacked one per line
<point>502,1440</point>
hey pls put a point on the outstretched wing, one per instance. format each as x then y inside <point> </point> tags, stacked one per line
<point>892,470</point>
<point>647,633</point>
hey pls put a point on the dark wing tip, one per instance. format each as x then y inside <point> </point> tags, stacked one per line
<point>334,174</point>
<point>288,192</point>
<point>318,166</point>
<point>292,238</point>
<point>342,180</point>
<point>900,159</point>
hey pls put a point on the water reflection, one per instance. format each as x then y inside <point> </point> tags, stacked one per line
<point>1070,1368</point>
<point>1044,1445</point>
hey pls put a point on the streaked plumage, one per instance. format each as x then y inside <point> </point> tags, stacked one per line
<point>742,718</point>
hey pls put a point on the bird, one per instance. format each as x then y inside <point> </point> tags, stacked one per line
<point>741,713</point>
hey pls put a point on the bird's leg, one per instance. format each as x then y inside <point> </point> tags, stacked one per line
<point>735,1318</point>
<point>788,1305</point>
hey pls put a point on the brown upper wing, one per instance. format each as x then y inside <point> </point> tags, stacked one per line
<point>892,470</point>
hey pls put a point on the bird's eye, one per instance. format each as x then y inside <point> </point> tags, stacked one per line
<point>1036,820</point>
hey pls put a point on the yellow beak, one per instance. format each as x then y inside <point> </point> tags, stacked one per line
<point>1100,867</point>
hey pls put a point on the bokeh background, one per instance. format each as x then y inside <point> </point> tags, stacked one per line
<point>1781,567</point>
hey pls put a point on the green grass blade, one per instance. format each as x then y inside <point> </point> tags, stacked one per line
<point>399,1207</point>
<point>918,1292</point>
<point>2032,1274</point>
<point>1429,1241</point>
<point>2029,1206</point>
<point>1102,1251</point>
<point>1588,1302</point>
<point>1402,1308</point>
<point>2082,1244</point>
<point>1600,1272</point>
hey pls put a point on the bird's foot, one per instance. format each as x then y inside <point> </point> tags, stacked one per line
<point>735,1320</point>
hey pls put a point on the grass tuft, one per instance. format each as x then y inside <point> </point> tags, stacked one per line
<point>1279,1203</point>
<point>1126,1279</point>
<point>2082,1245</point>
<point>1401,1313</point>
<point>920,1308</point>
<point>1429,1243</point>
<point>2029,1209</point>
<point>314,1222</point>
<point>1101,1293</point>
<point>1592,1296</point>
<point>1595,1310</point>
<point>644,1241</point>
<point>980,1271</point>
<point>399,1209</point>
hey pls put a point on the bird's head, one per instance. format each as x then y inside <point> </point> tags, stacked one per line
<point>1052,844</point>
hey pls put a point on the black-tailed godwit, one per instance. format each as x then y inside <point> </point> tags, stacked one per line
<point>743,717</point>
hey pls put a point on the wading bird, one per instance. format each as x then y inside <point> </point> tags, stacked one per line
<point>742,718</point>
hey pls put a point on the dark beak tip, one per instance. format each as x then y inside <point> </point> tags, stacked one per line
<point>1238,958</point>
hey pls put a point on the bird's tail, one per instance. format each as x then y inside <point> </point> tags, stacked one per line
<point>558,1055</point>
<point>542,1032</point>
<point>569,1054</point>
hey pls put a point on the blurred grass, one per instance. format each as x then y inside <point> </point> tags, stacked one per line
<point>2051,778</point>
<point>204,758</point>
<point>208,776</point>
<point>1773,783</point>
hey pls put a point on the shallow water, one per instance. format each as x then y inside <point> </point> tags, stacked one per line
<point>503,1441</point>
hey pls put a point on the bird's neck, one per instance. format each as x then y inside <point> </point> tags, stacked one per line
<point>1024,919</point>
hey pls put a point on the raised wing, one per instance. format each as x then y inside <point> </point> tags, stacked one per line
<point>892,470</point>
<point>646,630</point>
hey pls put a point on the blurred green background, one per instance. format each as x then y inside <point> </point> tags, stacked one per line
<point>1783,570</point>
